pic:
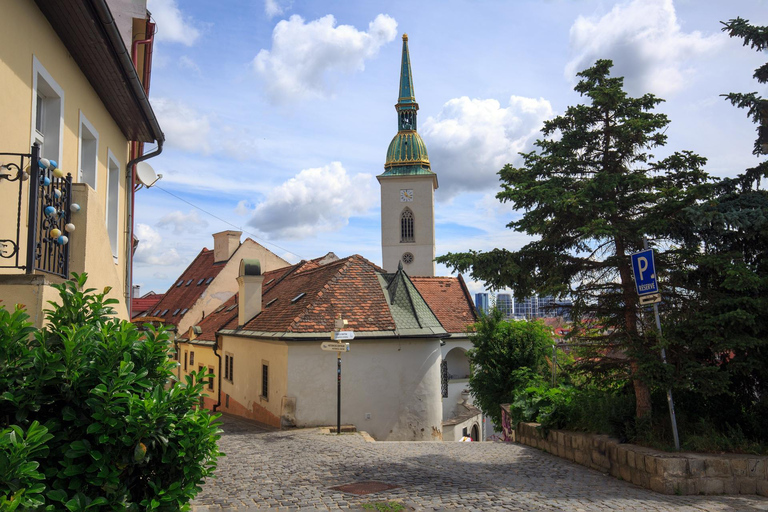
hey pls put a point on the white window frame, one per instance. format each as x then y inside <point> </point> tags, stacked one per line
<point>87,129</point>
<point>112,204</point>
<point>44,84</point>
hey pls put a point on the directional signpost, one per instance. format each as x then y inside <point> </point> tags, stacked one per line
<point>338,335</point>
<point>644,270</point>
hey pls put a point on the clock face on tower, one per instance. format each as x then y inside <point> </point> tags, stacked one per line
<point>406,196</point>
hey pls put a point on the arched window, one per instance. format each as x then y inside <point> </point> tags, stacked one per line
<point>406,226</point>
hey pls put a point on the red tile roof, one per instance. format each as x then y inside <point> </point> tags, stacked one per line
<point>349,286</point>
<point>143,306</point>
<point>183,293</point>
<point>449,299</point>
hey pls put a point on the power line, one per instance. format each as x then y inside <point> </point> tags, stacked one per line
<point>227,222</point>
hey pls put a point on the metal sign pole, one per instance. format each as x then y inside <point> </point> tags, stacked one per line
<point>338,394</point>
<point>670,401</point>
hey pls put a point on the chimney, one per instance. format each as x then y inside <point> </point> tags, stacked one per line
<point>225,244</point>
<point>249,281</point>
<point>136,291</point>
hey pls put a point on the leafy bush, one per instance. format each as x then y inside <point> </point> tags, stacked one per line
<point>88,419</point>
<point>506,356</point>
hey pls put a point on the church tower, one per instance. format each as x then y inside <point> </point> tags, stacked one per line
<point>408,189</point>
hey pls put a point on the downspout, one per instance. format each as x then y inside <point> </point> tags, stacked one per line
<point>137,153</point>
<point>218,372</point>
<point>140,95</point>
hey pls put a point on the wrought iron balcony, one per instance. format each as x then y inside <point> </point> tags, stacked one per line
<point>49,208</point>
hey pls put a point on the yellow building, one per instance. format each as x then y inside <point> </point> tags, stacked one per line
<point>74,88</point>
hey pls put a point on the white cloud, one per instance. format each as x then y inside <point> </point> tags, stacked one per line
<point>306,56</point>
<point>244,207</point>
<point>274,8</point>
<point>172,25</point>
<point>185,62</point>
<point>151,250</point>
<point>184,127</point>
<point>182,222</point>
<point>646,44</point>
<point>315,200</point>
<point>469,141</point>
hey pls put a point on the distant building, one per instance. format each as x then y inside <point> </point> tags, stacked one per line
<point>542,307</point>
<point>527,307</point>
<point>504,304</point>
<point>481,302</point>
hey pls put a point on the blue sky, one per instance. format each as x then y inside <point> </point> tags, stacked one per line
<point>278,114</point>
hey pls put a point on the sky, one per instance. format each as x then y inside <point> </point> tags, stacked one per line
<point>278,113</point>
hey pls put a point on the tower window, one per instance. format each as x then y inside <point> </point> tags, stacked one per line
<point>406,226</point>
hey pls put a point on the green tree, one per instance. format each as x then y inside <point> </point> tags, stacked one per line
<point>722,328</point>
<point>589,195</point>
<point>506,357</point>
<point>87,419</point>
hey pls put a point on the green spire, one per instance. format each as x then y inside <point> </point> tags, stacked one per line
<point>407,153</point>
<point>406,98</point>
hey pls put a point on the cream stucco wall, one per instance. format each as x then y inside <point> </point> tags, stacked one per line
<point>25,34</point>
<point>32,292</point>
<point>204,356</point>
<point>224,284</point>
<point>423,249</point>
<point>396,382</point>
<point>245,389</point>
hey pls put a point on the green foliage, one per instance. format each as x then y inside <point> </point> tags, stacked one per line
<point>506,356</point>
<point>89,420</point>
<point>384,506</point>
<point>589,195</point>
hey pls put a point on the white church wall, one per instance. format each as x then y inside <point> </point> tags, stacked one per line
<point>390,389</point>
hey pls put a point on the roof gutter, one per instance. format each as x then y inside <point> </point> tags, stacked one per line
<point>121,52</point>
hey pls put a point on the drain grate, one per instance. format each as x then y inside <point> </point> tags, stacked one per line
<point>364,487</point>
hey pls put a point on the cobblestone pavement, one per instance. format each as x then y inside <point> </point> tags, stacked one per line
<point>295,469</point>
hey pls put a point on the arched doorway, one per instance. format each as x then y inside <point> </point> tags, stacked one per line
<point>475,433</point>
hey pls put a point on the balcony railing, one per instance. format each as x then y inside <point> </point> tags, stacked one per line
<point>48,214</point>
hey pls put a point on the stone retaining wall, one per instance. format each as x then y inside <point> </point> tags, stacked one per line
<point>668,473</point>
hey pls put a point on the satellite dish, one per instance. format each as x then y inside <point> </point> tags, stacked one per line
<point>146,174</point>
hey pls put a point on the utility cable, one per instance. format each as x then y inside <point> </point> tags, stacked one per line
<point>227,222</point>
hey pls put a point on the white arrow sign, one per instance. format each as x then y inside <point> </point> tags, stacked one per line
<point>343,335</point>
<point>335,347</point>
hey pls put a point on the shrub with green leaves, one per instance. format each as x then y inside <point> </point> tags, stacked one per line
<point>87,417</point>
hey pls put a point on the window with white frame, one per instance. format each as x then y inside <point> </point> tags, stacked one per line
<point>113,200</point>
<point>47,112</point>
<point>88,152</point>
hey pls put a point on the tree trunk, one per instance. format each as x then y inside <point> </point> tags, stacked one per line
<point>642,395</point>
<point>642,392</point>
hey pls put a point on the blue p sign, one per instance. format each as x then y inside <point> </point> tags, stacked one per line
<point>645,272</point>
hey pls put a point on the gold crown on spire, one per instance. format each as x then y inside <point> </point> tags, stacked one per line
<point>405,37</point>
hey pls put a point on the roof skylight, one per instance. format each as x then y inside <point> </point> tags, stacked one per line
<point>270,302</point>
<point>298,297</point>
<point>175,313</point>
<point>208,281</point>
<point>180,283</point>
<point>189,282</point>
<point>200,282</point>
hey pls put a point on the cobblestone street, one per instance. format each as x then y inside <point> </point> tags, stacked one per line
<point>296,469</point>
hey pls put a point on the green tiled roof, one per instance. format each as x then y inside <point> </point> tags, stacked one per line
<point>409,309</point>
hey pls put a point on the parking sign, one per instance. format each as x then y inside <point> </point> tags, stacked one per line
<point>645,272</point>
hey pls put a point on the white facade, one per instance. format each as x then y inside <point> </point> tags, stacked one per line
<point>389,388</point>
<point>416,193</point>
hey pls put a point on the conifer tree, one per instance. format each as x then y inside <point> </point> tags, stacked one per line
<point>589,194</point>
